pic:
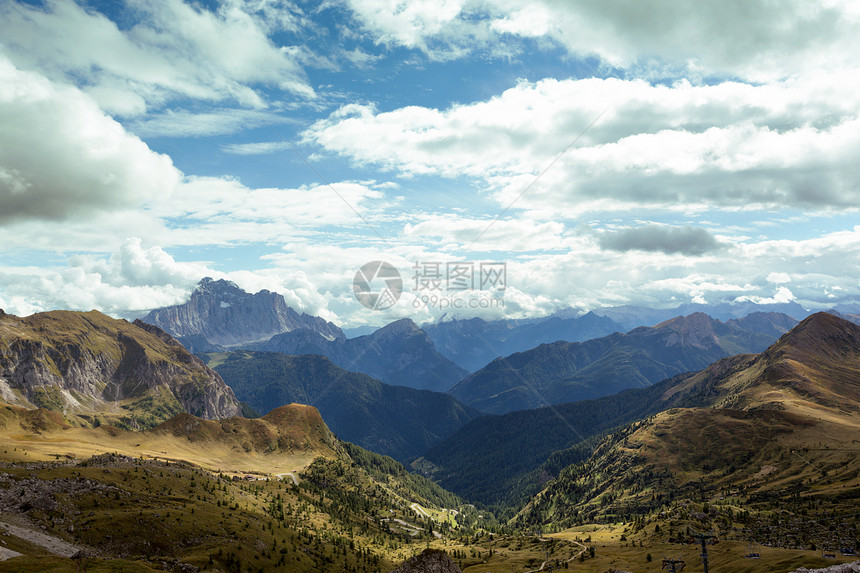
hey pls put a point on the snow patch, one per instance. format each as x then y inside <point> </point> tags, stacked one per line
<point>225,304</point>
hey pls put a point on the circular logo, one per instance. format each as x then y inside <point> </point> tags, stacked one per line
<point>377,285</point>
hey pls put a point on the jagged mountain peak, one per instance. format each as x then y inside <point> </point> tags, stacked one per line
<point>225,315</point>
<point>400,353</point>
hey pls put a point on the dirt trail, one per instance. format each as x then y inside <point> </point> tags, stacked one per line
<point>543,565</point>
<point>53,544</point>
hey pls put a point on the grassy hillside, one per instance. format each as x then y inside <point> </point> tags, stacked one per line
<point>212,497</point>
<point>775,459</point>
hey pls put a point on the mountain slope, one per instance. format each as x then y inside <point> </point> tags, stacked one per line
<point>400,354</point>
<point>220,313</point>
<point>812,370</point>
<point>208,496</point>
<point>504,459</point>
<point>781,424</point>
<point>565,372</point>
<point>392,420</point>
<point>93,365</point>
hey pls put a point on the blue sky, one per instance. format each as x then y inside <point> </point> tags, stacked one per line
<point>649,153</point>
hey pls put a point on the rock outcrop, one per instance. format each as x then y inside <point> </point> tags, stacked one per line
<point>430,561</point>
<point>220,313</point>
<point>89,363</point>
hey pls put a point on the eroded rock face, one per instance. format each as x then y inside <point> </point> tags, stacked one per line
<point>430,561</point>
<point>227,316</point>
<point>84,362</point>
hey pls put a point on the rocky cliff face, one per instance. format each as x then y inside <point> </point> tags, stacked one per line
<point>430,561</point>
<point>227,316</point>
<point>91,364</point>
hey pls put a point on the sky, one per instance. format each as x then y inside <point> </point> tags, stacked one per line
<point>601,153</point>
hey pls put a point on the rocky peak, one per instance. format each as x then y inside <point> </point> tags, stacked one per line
<point>225,315</point>
<point>429,561</point>
<point>697,329</point>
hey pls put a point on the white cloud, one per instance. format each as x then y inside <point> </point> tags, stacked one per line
<point>104,183</point>
<point>173,50</point>
<point>777,278</point>
<point>732,145</point>
<point>133,280</point>
<point>61,156</point>
<point>765,41</point>
<point>782,295</point>
<point>183,123</point>
<point>257,148</point>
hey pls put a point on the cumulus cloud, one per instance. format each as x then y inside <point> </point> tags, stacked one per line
<point>681,146</point>
<point>174,50</point>
<point>63,159</point>
<point>777,278</point>
<point>60,155</point>
<point>685,240</point>
<point>132,280</point>
<point>764,41</point>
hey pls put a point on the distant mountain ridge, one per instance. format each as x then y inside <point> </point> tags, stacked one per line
<point>570,371</point>
<point>630,317</point>
<point>475,342</point>
<point>86,363</point>
<point>400,353</point>
<point>220,314</point>
<point>396,421</point>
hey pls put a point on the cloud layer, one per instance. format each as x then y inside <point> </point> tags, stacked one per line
<point>703,155</point>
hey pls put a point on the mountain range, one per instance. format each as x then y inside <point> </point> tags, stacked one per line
<point>474,461</point>
<point>570,371</point>
<point>400,353</point>
<point>475,342</point>
<point>757,446</point>
<point>770,424</point>
<point>219,314</point>
<point>397,421</point>
<point>90,365</point>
